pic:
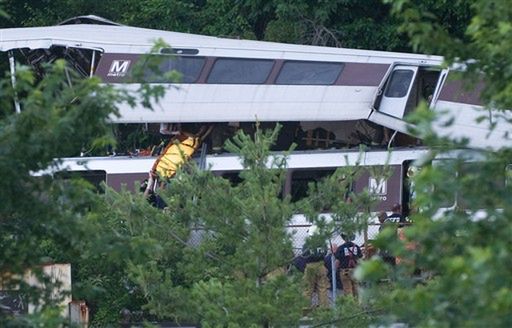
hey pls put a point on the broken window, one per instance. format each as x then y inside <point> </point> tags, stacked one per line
<point>83,61</point>
<point>301,180</point>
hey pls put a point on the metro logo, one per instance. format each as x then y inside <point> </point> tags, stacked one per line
<point>119,68</point>
<point>378,187</point>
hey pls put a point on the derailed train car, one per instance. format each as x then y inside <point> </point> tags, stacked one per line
<point>325,97</point>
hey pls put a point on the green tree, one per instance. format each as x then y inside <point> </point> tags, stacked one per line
<point>44,218</point>
<point>39,215</point>
<point>219,254</point>
<point>464,251</point>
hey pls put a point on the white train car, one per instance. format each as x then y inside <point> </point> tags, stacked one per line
<point>227,80</point>
<point>303,168</point>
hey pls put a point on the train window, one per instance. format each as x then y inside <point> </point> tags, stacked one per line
<point>445,194</point>
<point>240,71</point>
<point>233,177</point>
<point>472,181</point>
<point>399,83</point>
<point>464,183</point>
<point>301,180</point>
<point>94,177</point>
<point>304,72</point>
<point>188,67</point>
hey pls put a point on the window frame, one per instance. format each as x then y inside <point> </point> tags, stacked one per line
<point>176,57</point>
<point>285,62</point>
<point>387,92</point>
<point>217,59</point>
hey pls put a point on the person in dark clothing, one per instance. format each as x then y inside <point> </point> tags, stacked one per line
<point>396,215</point>
<point>383,251</point>
<point>315,274</point>
<point>154,199</point>
<point>347,256</point>
<point>299,262</point>
<point>383,217</point>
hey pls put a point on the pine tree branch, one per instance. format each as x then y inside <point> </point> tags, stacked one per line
<point>346,318</point>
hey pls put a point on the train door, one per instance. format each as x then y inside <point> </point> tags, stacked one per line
<point>402,92</point>
<point>398,89</point>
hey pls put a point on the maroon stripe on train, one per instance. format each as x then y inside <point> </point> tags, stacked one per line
<point>457,91</point>
<point>362,74</point>
<point>353,74</point>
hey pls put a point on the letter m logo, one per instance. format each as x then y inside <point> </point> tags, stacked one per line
<point>377,186</point>
<point>119,68</point>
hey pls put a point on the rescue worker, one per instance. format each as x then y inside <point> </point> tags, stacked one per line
<point>347,256</point>
<point>315,274</point>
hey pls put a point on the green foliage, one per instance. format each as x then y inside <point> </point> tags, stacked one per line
<point>32,139</point>
<point>347,313</point>
<point>351,24</point>
<point>461,233</point>
<point>173,15</point>
<point>245,236</point>
<point>101,269</point>
<point>41,217</point>
<point>217,255</point>
<point>244,304</point>
<point>482,41</point>
<point>348,210</point>
<point>224,18</point>
<point>44,218</point>
<point>467,255</point>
